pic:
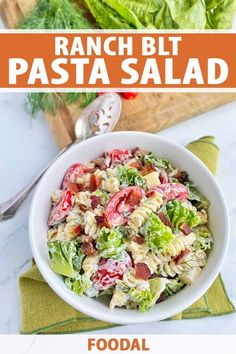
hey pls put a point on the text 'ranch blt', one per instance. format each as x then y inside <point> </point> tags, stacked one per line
<point>75,54</point>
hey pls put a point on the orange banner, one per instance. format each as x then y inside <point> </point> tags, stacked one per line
<point>102,61</point>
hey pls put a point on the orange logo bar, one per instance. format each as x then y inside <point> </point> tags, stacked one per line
<point>105,61</point>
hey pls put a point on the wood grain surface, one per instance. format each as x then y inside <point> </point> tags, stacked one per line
<point>148,112</point>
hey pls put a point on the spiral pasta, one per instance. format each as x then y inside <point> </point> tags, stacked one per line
<point>179,244</point>
<point>139,216</point>
<point>90,224</point>
<point>119,299</point>
<point>111,185</point>
<point>131,281</point>
<point>142,254</point>
<point>90,265</point>
<point>83,198</point>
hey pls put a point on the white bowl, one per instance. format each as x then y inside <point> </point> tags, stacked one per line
<point>180,157</point>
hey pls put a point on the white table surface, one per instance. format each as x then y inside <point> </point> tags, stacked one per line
<point>26,146</point>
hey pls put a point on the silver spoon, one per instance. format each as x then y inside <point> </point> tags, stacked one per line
<point>99,117</point>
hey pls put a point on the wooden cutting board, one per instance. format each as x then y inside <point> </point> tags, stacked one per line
<point>148,112</point>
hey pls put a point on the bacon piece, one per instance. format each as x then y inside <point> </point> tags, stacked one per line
<point>88,249</point>
<point>182,176</point>
<point>73,187</point>
<point>147,169</point>
<point>186,229</point>
<point>165,220</point>
<point>178,259</point>
<point>77,230</point>
<point>92,183</point>
<point>138,239</point>
<point>142,271</point>
<point>95,201</point>
<point>161,298</point>
<point>102,221</point>
<point>83,208</point>
<point>136,164</point>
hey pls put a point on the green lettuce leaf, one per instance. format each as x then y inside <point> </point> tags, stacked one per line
<point>157,235</point>
<point>200,202</point>
<point>203,238</point>
<point>146,298</point>
<point>65,257</point>
<point>189,14</point>
<point>109,243</point>
<point>79,285</point>
<point>130,177</point>
<point>152,159</point>
<point>220,13</point>
<point>173,286</point>
<point>179,214</point>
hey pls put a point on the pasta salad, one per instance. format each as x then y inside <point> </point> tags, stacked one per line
<point>128,225</point>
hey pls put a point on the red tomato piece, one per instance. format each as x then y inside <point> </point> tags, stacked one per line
<point>163,177</point>
<point>129,95</point>
<point>110,270</point>
<point>117,155</point>
<point>60,211</point>
<point>142,271</point>
<point>122,202</point>
<point>171,191</point>
<point>76,170</point>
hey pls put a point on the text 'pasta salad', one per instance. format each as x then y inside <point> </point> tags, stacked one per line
<point>128,225</point>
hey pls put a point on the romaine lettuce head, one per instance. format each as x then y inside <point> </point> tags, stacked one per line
<point>65,257</point>
<point>157,235</point>
<point>179,214</point>
<point>79,285</point>
<point>109,243</point>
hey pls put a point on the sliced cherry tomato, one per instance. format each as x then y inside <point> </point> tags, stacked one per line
<point>60,211</point>
<point>76,170</point>
<point>171,191</point>
<point>129,95</point>
<point>122,202</point>
<point>110,270</point>
<point>117,155</point>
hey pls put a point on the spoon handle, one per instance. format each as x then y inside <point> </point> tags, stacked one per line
<point>10,207</point>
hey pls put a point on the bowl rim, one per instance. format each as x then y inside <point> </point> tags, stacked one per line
<point>150,317</point>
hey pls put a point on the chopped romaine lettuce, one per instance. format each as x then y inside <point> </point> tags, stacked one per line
<point>152,159</point>
<point>173,286</point>
<point>65,257</point>
<point>130,177</point>
<point>109,243</point>
<point>146,298</point>
<point>203,238</point>
<point>179,214</point>
<point>79,285</point>
<point>157,235</point>
<point>199,200</point>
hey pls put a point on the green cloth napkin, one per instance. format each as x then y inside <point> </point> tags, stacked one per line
<point>44,312</point>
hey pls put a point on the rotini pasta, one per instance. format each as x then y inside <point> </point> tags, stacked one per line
<point>90,224</point>
<point>179,244</point>
<point>138,217</point>
<point>90,265</point>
